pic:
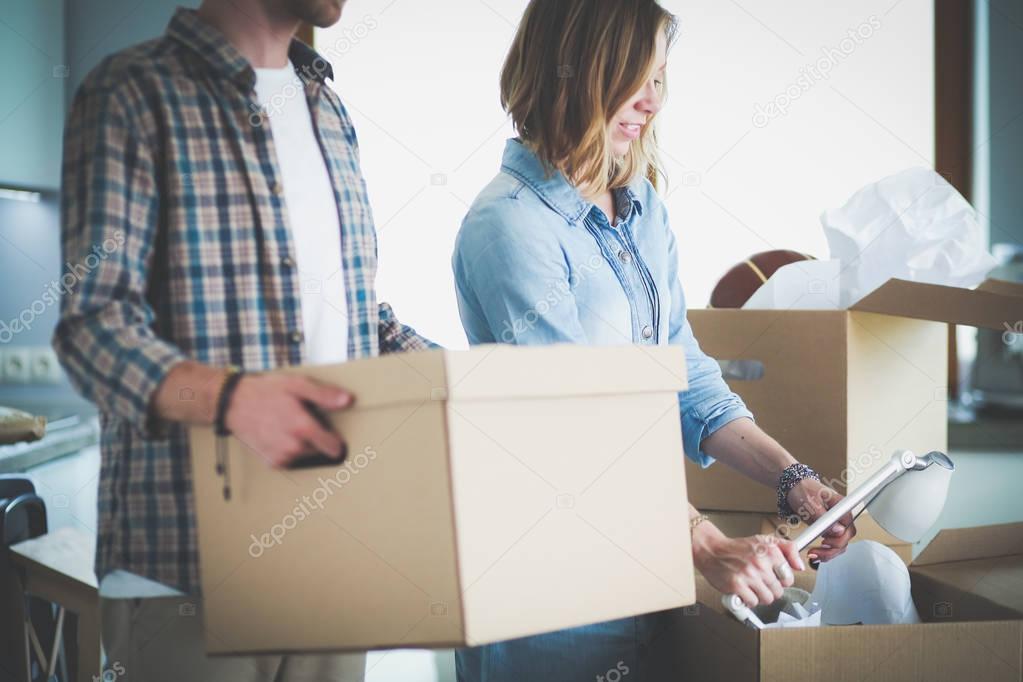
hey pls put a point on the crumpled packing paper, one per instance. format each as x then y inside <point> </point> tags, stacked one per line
<point>866,584</point>
<point>912,225</point>
<point>796,609</point>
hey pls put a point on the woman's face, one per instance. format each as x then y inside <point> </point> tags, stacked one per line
<point>628,123</point>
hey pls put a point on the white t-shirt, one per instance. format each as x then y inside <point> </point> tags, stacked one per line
<point>312,216</point>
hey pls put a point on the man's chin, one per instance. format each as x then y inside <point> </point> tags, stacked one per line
<point>322,14</point>
<point>326,19</point>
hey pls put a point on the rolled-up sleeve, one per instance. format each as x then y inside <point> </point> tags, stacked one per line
<point>707,404</point>
<point>396,337</point>
<point>105,338</point>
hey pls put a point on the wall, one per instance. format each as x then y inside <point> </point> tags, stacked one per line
<point>432,130</point>
<point>30,233</point>
<point>97,28</point>
<point>32,92</point>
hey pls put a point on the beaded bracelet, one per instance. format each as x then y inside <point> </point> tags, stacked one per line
<point>792,475</point>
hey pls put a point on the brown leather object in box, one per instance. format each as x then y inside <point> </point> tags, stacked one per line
<point>743,280</point>
<point>17,426</point>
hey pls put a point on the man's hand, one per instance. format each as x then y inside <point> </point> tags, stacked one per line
<point>745,566</point>
<point>269,414</point>
<point>810,499</point>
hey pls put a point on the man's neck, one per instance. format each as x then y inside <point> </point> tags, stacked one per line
<point>258,34</point>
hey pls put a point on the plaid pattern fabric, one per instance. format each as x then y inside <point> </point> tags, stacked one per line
<point>173,219</point>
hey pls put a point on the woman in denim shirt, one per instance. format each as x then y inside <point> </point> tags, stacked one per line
<point>570,243</point>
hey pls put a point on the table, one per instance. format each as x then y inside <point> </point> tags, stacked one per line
<point>58,567</point>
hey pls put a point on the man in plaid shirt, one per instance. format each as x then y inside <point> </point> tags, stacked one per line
<point>217,208</point>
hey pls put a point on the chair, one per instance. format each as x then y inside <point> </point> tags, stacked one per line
<point>22,516</point>
<point>32,582</point>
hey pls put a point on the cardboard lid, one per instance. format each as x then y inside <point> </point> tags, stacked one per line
<point>504,371</point>
<point>994,304</point>
<point>497,371</point>
<point>967,544</point>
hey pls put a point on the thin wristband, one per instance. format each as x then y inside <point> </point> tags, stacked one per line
<point>234,375</point>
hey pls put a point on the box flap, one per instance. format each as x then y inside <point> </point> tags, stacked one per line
<point>993,307</point>
<point>505,371</point>
<point>392,379</point>
<point>1002,286</point>
<point>980,542</point>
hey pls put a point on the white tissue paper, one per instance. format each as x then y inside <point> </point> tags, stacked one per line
<point>796,609</point>
<point>867,584</point>
<point>912,225</point>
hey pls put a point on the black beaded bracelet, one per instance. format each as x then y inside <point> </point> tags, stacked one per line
<point>792,475</point>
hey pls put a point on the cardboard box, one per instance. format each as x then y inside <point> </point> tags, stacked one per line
<point>745,524</point>
<point>843,389</point>
<point>968,589</point>
<point>488,494</point>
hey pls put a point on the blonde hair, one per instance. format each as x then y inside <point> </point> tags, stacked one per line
<point>572,66</point>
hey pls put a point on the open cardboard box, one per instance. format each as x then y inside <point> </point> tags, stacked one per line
<point>843,389</point>
<point>745,524</point>
<point>967,586</point>
<point>488,494</point>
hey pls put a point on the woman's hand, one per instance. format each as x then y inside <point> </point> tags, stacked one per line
<point>748,567</point>
<point>810,499</point>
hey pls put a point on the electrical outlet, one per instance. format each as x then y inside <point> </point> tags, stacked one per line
<point>44,368</point>
<point>16,365</point>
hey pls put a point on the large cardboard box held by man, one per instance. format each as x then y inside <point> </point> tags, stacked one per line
<point>843,389</point>
<point>967,587</point>
<point>487,495</point>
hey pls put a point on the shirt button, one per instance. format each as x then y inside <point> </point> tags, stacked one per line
<point>296,337</point>
<point>648,332</point>
<point>288,262</point>
<point>625,257</point>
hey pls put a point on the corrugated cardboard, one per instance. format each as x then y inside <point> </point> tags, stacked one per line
<point>745,524</point>
<point>843,389</point>
<point>969,592</point>
<point>488,494</point>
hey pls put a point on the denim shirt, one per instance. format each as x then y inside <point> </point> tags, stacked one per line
<point>537,264</point>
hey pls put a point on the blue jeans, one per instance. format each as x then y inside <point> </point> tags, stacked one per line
<point>626,650</point>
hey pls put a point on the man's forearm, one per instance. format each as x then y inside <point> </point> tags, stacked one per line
<point>744,446</point>
<point>188,394</point>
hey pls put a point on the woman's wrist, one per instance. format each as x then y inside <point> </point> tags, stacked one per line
<point>705,538</point>
<point>789,479</point>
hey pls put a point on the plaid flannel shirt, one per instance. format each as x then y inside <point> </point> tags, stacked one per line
<point>174,221</point>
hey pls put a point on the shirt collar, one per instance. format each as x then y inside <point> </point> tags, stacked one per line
<point>554,188</point>
<point>212,47</point>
